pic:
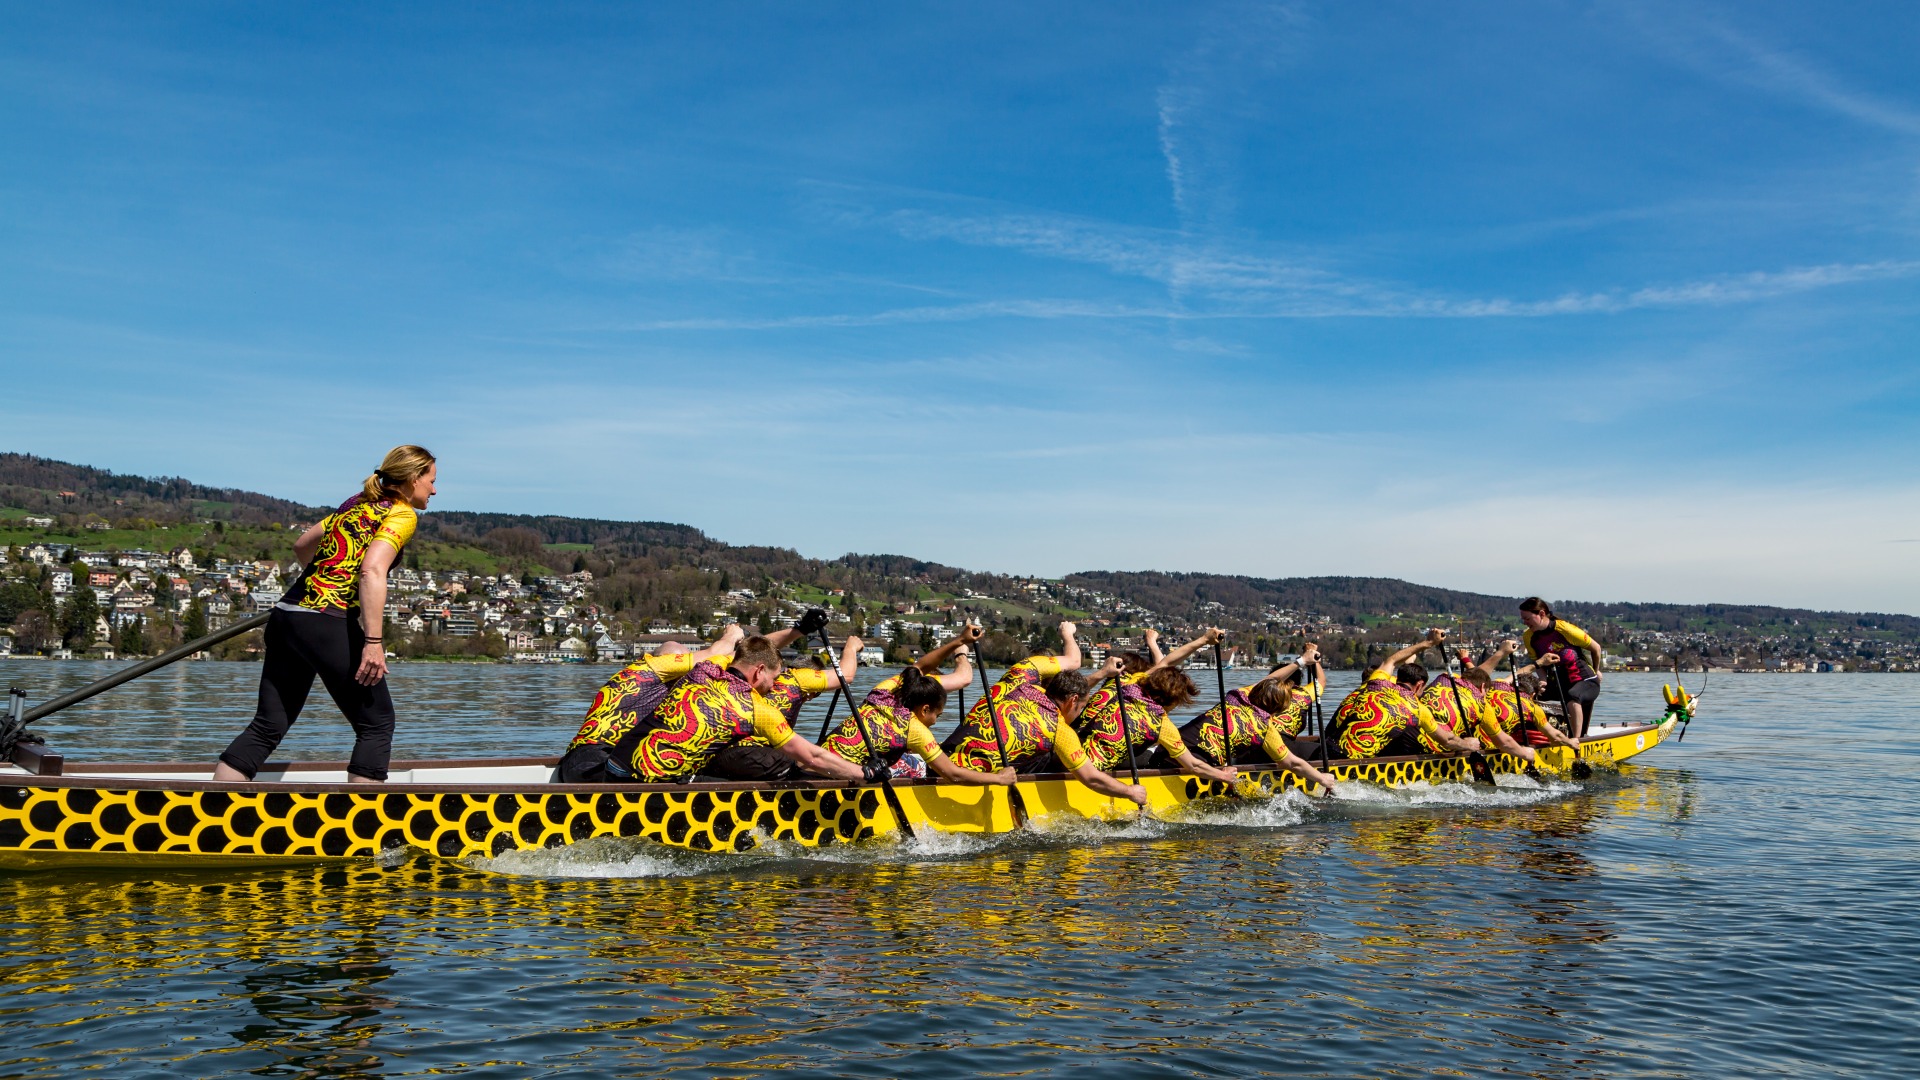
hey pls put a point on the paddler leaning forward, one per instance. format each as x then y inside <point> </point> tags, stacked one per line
<point>1032,708</point>
<point>1384,716</point>
<point>1504,710</point>
<point>712,708</point>
<point>1255,722</point>
<point>631,696</point>
<point>1127,716</point>
<point>896,720</point>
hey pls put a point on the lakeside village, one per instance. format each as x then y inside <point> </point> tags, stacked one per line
<point>64,602</point>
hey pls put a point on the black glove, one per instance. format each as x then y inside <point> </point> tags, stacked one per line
<point>814,621</point>
<point>875,771</point>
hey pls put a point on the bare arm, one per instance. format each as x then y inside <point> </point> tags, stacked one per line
<point>1446,737</point>
<point>1107,785</point>
<point>950,770</point>
<point>1180,654</point>
<point>1070,653</point>
<point>308,543</point>
<point>824,762</point>
<point>1153,646</point>
<point>1507,744</point>
<point>850,658</point>
<point>962,676</point>
<point>1190,764</point>
<point>937,659</point>
<point>1433,638</point>
<point>373,611</point>
<point>784,639</point>
<point>729,638</point>
<point>1506,649</point>
<point>1304,769</point>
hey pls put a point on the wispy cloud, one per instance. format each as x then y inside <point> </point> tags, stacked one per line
<point>1717,49</point>
<point>1364,302</point>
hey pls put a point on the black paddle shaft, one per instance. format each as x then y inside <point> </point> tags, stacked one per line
<point>860,724</point>
<point>1320,719</point>
<point>1126,732</point>
<point>1014,798</point>
<point>1226,716</point>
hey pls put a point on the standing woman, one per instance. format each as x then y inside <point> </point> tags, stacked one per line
<point>329,622</point>
<point>1556,645</point>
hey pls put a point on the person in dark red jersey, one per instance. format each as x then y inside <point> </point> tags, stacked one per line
<point>1557,645</point>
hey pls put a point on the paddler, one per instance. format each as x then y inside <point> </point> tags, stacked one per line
<point>712,708</point>
<point>634,692</point>
<point>1147,698</point>
<point>1556,645</point>
<point>1252,725</point>
<point>1302,690</point>
<point>898,716</point>
<point>1032,708</point>
<point>752,758</point>
<point>1384,716</point>
<point>1503,712</point>
<point>329,622</point>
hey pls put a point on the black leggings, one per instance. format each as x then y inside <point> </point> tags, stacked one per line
<point>1582,693</point>
<point>300,646</point>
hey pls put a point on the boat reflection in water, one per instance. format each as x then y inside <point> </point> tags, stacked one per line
<point>1150,941</point>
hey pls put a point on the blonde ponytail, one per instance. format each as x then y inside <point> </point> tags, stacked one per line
<point>399,468</point>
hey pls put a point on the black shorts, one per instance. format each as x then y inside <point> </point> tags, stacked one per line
<point>1582,693</point>
<point>752,762</point>
<point>585,765</point>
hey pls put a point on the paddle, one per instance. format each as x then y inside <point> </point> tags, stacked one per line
<point>1476,761</point>
<point>233,629</point>
<point>1014,798</point>
<point>1320,718</point>
<point>1126,733</point>
<point>860,724</point>
<point>832,703</point>
<point>1226,714</point>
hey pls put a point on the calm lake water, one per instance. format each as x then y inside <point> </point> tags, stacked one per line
<point>1736,905</point>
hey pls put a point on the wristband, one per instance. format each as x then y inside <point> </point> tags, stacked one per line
<point>375,640</point>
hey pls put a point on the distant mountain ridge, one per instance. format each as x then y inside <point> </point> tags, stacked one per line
<point>630,558</point>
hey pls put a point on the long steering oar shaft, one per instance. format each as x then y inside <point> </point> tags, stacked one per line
<point>231,630</point>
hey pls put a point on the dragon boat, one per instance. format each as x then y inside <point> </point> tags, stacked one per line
<point>56,813</point>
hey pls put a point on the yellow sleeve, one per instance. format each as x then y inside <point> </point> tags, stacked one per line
<point>1066,747</point>
<point>1169,738</point>
<point>1429,724</point>
<point>1274,743</point>
<point>1044,666</point>
<point>397,527</point>
<point>770,723</point>
<point>1579,639</point>
<point>812,680</point>
<point>1134,679</point>
<point>1378,673</point>
<point>1486,724</point>
<point>889,684</point>
<point>671,665</point>
<point>921,741</point>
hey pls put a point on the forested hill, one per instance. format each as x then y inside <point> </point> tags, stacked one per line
<point>44,486</point>
<point>648,573</point>
<point>1360,599</point>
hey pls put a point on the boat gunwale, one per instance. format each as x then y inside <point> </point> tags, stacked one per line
<point>86,774</point>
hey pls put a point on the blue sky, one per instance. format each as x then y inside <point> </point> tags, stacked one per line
<point>1600,300</point>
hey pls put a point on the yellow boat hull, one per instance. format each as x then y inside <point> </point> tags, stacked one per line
<point>50,821</point>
